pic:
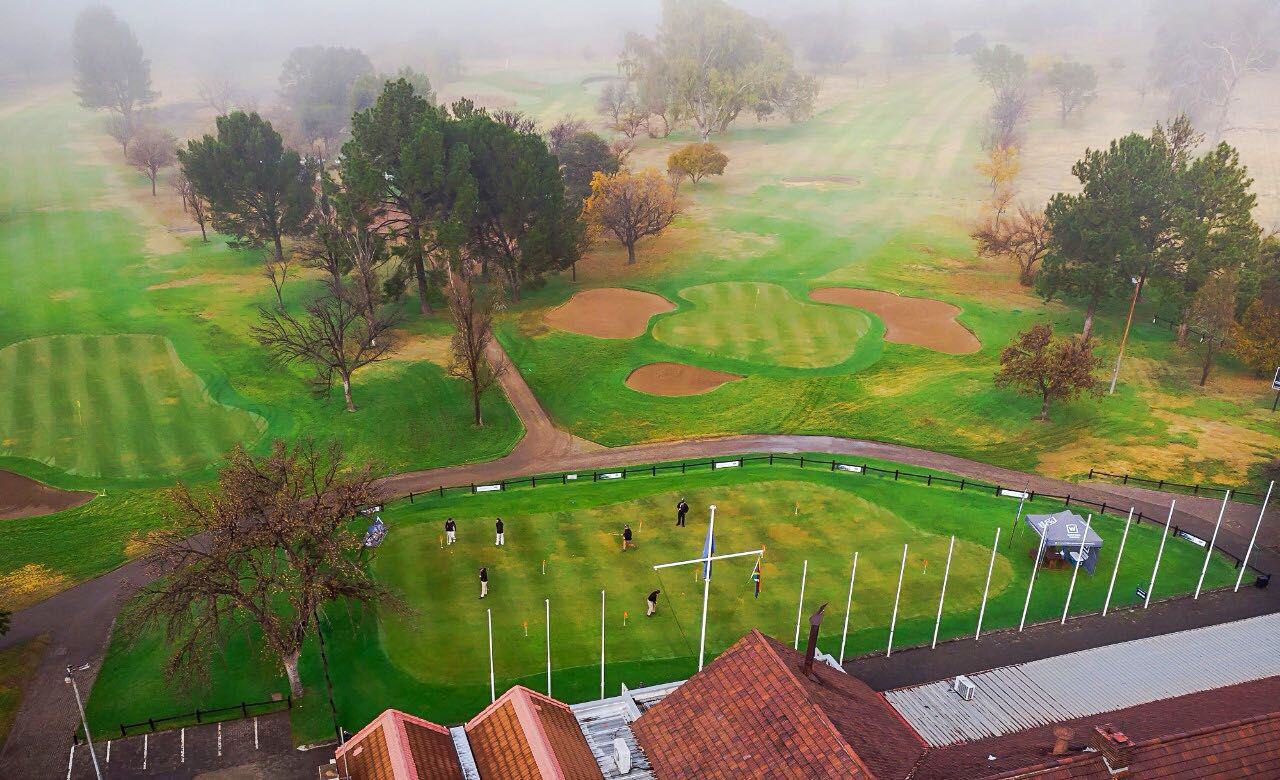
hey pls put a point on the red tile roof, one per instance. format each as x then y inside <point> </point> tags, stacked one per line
<point>753,713</point>
<point>527,736</point>
<point>398,746</point>
<point>1159,727</point>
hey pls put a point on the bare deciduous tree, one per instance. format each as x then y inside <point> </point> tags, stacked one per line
<point>151,149</point>
<point>217,93</point>
<point>273,544</point>
<point>334,336</point>
<point>192,203</point>
<point>1024,236</point>
<point>631,206</point>
<point>472,314</point>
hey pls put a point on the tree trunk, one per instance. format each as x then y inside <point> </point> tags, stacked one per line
<point>631,253</point>
<point>291,670</point>
<point>153,185</point>
<point>1044,408</point>
<point>475,403</point>
<point>1208,361</point>
<point>1087,332</point>
<point>573,271</point>
<point>346,393</point>
<point>203,235</point>
<point>1183,327</point>
<point>419,270</point>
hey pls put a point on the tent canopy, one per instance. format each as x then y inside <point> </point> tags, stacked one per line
<point>1063,529</point>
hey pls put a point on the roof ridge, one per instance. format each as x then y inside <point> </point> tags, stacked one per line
<point>535,733</point>
<point>804,691</point>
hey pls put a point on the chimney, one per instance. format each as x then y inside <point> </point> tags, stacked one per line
<point>815,621</point>
<point>1114,747</point>
<point>1061,737</point>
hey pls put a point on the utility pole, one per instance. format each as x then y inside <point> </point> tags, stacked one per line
<point>75,689</point>
<point>1133,304</point>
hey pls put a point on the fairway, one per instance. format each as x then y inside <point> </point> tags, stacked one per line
<point>762,323</point>
<point>122,406</point>
<point>431,658</point>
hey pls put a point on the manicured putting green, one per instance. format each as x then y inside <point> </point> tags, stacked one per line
<point>762,323</point>
<point>120,406</point>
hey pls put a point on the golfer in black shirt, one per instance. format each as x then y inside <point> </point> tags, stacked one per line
<point>450,531</point>
<point>653,603</point>
<point>626,538</point>
<point>682,509</point>
<point>499,540</point>
<point>484,581</point>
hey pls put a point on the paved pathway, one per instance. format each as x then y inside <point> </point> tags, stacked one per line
<point>78,620</point>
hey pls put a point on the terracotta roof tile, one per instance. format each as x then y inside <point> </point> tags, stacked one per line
<point>399,746</point>
<point>1160,728</point>
<point>752,713</point>
<point>524,735</point>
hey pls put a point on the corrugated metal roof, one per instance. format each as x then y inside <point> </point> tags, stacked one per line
<point>608,719</point>
<point>1101,679</point>
<point>465,757</point>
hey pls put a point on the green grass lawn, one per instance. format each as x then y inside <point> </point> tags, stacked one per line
<point>762,323</point>
<point>433,660</point>
<point>897,221</point>
<point>129,362</point>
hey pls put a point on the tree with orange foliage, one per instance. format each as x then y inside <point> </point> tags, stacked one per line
<point>1000,167</point>
<point>1037,364</point>
<point>1256,340</point>
<point>631,205</point>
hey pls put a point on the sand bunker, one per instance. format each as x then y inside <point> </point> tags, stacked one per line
<point>677,379</point>
<point>821,181</point>
<point>608,313</point>
<point>921,321</point>
<point>24,497</point>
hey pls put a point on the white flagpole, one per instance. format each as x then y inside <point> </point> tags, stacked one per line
<point>982,611</point>
<point>493,693</point>
<point>1208,552</point>
<point>1244,565</point>
<point>946,573</point>
<point>1119,553</point>
<point>706,590</point>
<point>893,623</point>
<point>1021,503</point>
<point>1035,567</point>
<point>848,606</point>
<point>602,643</point>
<point>548,601</point>
<point>800,609</point>
<point>1159,552</point>
<point>1075,572</point>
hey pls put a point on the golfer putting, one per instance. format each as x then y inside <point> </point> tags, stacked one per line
<point>626,538</point>
<point>651,604</point>
<point>450,531</point>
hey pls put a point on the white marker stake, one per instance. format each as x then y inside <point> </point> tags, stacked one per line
<point>804,574</point>
<point>548,602</point>
<point>848,606</point>
<point>71,760</point>
<point>493,694</point>
<point>602,643</point>
<point>893,623</point>
<point>1159,552</point>
<point>1035,567</point>
<point>1075,572</point>
<point>982,611</point>
<point>1208,551</point>
<point>1119,553</point>
<point>108,751</point>
<point>706,593</point>
<point>1244,565</point>
<point>942,597</point>
<point>255,732</point>
<point>182,746</point>
<point>219,739</point>
<point>145,749</point>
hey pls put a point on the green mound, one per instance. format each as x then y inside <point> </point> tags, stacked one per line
<point>762,323</point>
<point>120,406</point>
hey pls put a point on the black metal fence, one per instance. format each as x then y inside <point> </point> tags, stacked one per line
<point>1173,325</point>
<point>244,709</point>
<point>1209,491</point>
<point>802,461</point>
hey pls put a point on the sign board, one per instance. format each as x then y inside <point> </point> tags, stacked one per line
<point>570,476</point>
<point>612,475</point>
<point>1014,493</point>
<point>1192,538</point>
<point>1140,592</point>
<point>847,467</point>
<point>373,510</point>
<point>728,464</point>
<point>1275,383</point>
<point>487,488</point>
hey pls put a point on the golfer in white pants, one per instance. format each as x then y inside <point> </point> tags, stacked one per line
<point>499,539</point>
<point>450,531</point>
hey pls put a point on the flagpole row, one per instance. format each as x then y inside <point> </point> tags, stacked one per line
<point>848,607</point>
<point>601,643</point>
<point>1208,551</point>
<point>804,575</point>
<point>946,574</point>
<point>493,693</point>
<point>548,604</point>
<point>1244,565</point>
<point>1035,567</point>
<point>706,586</point>
<point>893,623</point>
<point>1071,589</point>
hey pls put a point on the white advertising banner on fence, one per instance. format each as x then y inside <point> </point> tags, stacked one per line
<point>849,468</point>
<point>611,475</point>
<point>487,488</point>
<point>1014,493</point>
<point>728,464</point>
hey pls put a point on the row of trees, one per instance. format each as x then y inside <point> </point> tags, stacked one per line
<point>708,63</point>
